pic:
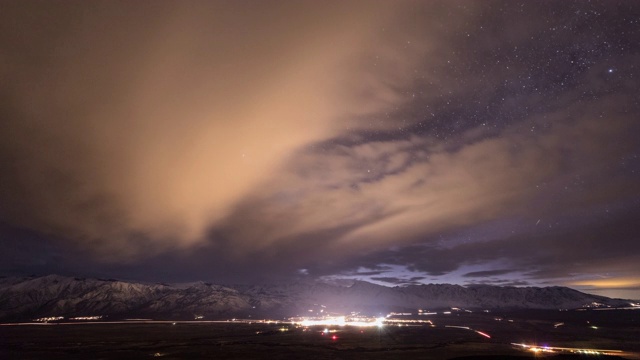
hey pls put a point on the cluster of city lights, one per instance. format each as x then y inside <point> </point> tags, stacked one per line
<point>554,349</point>
<point>339,321</point>
<point>95,317</point>
<point>49,318</point>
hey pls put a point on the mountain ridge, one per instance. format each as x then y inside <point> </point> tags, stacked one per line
<point>26,298</point>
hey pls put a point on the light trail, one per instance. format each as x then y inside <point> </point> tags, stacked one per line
<point>133,322</point>
<point>458,327</point>
<point>468,328</point>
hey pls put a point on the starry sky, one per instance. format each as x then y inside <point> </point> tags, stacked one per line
<point>398,142</point>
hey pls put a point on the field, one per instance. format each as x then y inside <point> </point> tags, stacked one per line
<point>458,335</point>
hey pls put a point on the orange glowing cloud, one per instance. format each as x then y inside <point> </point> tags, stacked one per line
<point>146,125</point>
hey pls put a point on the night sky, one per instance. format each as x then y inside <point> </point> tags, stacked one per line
<point>398,142</point>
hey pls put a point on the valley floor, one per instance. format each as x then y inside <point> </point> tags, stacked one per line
<point>451,337</point>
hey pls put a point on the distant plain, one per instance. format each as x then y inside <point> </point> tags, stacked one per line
<point>613,330</point>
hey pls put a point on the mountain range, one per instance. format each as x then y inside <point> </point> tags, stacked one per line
<point>27,298</point>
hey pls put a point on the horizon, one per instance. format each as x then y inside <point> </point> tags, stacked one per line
<point>401,142</point>
<point>340,283</point>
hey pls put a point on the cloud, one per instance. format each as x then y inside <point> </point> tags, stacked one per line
<point>350,197</point>
<point>488,273</point>
<point>415,280</point>
<point>132,129</point>
<point>498,282</point>
<point>246,140</point>
<point>389,280</point>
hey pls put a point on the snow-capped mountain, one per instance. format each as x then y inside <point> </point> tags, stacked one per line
<point>53,295</point>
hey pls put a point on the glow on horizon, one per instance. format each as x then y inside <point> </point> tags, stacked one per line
<point>620,282</point>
